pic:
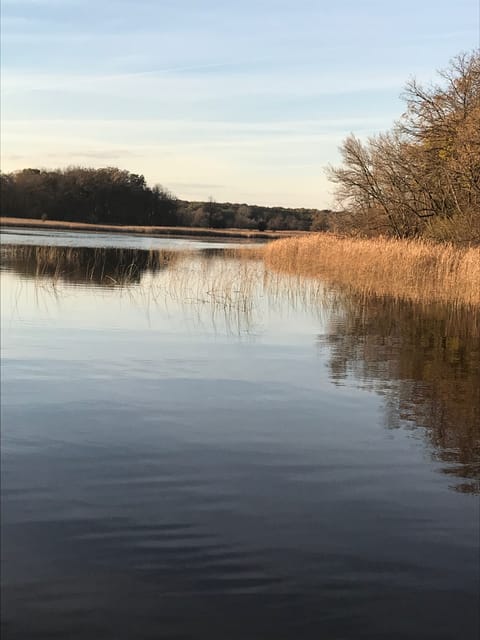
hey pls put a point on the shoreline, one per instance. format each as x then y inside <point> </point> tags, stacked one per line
<point>415,270</point>
<point>61,225</point>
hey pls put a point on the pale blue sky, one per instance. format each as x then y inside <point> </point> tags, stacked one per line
<point>242,101</point>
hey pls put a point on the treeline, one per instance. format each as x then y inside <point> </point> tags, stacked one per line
<point>115,196</point>
<point>77,194</point>
<point>422,178</point>
<point>244,216</point>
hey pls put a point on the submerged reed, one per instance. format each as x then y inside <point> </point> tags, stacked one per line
<point>83,265</point>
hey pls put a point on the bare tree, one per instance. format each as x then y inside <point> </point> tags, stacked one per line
<point>422,177</point>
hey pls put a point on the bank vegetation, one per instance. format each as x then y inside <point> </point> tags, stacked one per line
<point>410,201</point>
<point>421,178</point>
<point>411,269</point>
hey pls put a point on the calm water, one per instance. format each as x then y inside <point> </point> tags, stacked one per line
<point>194,448</point>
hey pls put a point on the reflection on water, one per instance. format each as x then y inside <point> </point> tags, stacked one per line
<point>84,265</point>
<point>425,362</point>
<point>194,447</point>
<point>99,240</point>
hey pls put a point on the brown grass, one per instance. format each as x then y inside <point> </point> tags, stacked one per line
<point>414,270</point>
<point>152,231</point>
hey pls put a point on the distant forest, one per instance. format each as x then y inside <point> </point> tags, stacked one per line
<point>118,197</point>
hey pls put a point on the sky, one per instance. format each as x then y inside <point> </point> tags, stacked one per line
<point>244,101</point>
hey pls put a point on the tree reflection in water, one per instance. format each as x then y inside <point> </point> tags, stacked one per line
<point>425,361</point>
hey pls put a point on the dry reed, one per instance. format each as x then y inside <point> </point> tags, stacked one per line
<point>414,270</point>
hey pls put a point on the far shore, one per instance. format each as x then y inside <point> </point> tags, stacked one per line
<point>248,234</point>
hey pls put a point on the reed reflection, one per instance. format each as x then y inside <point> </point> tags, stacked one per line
<point>104,267</point>
<point>212,287</point>
<point>425,361</point>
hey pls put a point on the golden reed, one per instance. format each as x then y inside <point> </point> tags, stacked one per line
<point>414,270</point>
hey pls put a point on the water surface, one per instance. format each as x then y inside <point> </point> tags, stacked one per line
<point>65,238</point>
<point>195,448</point>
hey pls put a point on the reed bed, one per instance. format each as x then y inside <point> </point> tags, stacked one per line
<point>234,284</point>
<point>415,270</point>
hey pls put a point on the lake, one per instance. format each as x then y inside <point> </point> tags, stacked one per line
<point>195,447</point>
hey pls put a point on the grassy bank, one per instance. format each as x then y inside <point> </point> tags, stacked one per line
<point>151,231</point>
<point>408,269</point>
